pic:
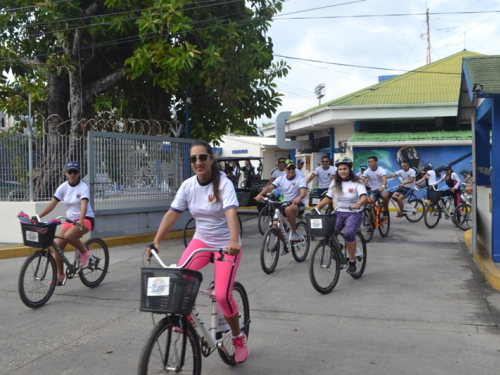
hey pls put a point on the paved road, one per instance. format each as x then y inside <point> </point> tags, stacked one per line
<point>420,308</point>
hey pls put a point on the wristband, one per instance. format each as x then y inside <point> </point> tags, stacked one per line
<point>383,186</point>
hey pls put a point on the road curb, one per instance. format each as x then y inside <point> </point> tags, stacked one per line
<point>22,250</point>
<point>484,262</point>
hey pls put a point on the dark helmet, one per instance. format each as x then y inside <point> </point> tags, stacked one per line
<point>428,167</point>
<point>447,167</point>
<point>345,160</point>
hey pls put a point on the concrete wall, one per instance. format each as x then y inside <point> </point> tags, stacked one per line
<point>484,222</point>
<point>106,226</point>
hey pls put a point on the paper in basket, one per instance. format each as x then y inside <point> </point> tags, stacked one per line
<point>316,223</point>
<point>32,236</point>
<point>158,286</point>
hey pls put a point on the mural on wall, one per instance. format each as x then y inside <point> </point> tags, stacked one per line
<point>390,158</point>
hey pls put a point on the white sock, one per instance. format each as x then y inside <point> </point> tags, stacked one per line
<point>241,334</point>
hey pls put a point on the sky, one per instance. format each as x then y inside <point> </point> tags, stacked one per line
<point>382,42</point>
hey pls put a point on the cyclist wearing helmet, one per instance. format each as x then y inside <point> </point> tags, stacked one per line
<point>406,186</point>
<point>453,182</point>
<point>362,168</point>
<point>349,191</point>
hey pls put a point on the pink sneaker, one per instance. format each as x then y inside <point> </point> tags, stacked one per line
<point>59,280</point>
<point>85,258</point>
<point>240,348</point>
<point>400,214</point>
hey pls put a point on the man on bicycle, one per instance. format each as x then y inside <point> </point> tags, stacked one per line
<point>376,177</point>
<point>326,173</point>
<point>294,190</point>
<point>406,186</point>
<point>275,174</point>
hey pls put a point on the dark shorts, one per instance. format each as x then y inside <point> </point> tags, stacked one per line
<point>375,195</point>
<point>301,206</point>
<point>405,191</point>
<point>320,192</point>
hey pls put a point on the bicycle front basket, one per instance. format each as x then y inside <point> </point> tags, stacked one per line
<point>321,225</point>
<point>434,195</point>
<point>38,235</point>
<point>169,290</point>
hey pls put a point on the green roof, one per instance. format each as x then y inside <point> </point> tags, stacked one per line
<point>484,70</point>
<point>437,135</point>
<point>438,82</point>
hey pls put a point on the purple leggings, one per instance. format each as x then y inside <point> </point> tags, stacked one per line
<point>350,221</point>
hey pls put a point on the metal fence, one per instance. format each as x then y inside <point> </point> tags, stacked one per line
<point>130,173</point>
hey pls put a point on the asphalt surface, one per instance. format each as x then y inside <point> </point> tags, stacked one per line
<point>421,307</point>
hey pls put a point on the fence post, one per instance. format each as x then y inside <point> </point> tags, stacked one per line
<point>30,148</point>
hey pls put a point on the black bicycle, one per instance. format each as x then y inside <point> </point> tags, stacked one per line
<point>190,228</point>
<point>330,255</point>
<point>38,276</point>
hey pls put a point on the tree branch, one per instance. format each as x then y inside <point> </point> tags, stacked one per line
<point>92,10</point>
<point>101,85</point>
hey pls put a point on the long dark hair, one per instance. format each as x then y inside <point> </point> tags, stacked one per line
<point>338,180</point>
<point>214,168</point>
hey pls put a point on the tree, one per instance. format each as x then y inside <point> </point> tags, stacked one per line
<point>139,58</point>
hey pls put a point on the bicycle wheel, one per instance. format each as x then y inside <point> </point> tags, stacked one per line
<point>432,215</point>
<point>418,214</point>
<point>188,230</point>
<point>360,254</point>
<point>37,279</point>
<point>324,268</point>
<point>301,249</point>
<point>162,351</point>
<point>463,216</point>
<point>264,219</point>
<point>270,250</point>
<point>384,223</point>
<point>241,299</point>
<point>367,226</point>
<point>97,269</point>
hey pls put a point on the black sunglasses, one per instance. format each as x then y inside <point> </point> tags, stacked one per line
<point>201,157</point>
<point>281,162</point>
<point>73,171</point>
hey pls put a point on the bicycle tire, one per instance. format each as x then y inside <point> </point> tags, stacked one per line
<point>164,341</point>
<point>432,215</point>
<point>324,268</point>
<point>264,219</point>
<point>361,259</point>
<point>418,205</point>
<point>241,298</point>
<point>270,250</point>
<point>300,250</point>
<point>384,225</point>
<point>42,283</point>
<point>191,224</point>
<point>92,275</point>
<point>367,225</point>
<point>463,216</point>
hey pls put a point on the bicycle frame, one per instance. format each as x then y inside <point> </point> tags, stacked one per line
<point>280,223</point>
<point>375,208</point>
<point>406,207</point>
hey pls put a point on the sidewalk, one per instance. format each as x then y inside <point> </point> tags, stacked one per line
<point>490,270</point>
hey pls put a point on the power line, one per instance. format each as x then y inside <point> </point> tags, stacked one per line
<point>386,15</point>
<point>38,5</point>
<point>312,9</point>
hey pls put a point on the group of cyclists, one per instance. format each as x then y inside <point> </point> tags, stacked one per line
<point>211,199</point>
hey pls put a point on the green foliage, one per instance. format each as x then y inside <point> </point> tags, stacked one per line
<point>218,50</point>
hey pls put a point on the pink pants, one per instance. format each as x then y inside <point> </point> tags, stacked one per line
<point>224,276</point>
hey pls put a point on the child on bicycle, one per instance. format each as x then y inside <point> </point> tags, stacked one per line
<point>75,194</point>
<point>211,200</point>
<point>350,191</point>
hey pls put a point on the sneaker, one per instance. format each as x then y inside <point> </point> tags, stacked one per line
<point>385,213</point>
<point>352,268</point>
<point>369,229</point>
<point>294,237</point>
<point>359,252</point>
<point>400,215</point>
<point>59,280</point>
<point>240,348</point>
<point>85,258</point>
<point>284,251</point>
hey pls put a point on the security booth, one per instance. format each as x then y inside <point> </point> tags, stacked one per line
<point>480,95</point>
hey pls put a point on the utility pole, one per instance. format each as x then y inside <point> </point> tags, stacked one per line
<point>428,39</point>
<point>320,91</point>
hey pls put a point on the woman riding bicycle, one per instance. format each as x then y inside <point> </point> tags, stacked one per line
<point>75,194</point>
<point>349,191</point>
<point>211,200</point>
<point>453,182</point>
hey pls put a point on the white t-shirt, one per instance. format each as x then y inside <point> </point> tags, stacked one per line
<point>72,197</point>
<point>406,175</point>
<point>300,173</point>
<point>277,173</point>
<point>351,191</point>
<point>431,177</point>
<point>375,177</point>
<point>210,215</point>
<point>325,176</point>
<point>290,188</point>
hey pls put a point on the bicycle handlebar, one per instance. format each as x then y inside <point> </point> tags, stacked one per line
<point>70,221</point>
<point>221,251</point>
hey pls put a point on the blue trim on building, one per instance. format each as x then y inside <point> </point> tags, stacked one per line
<point>495,183</point>
<point>469,86</point>
<point>332,142</point>
<point>292,151</point>
<point>357,126</point>
<point>483,112</point>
